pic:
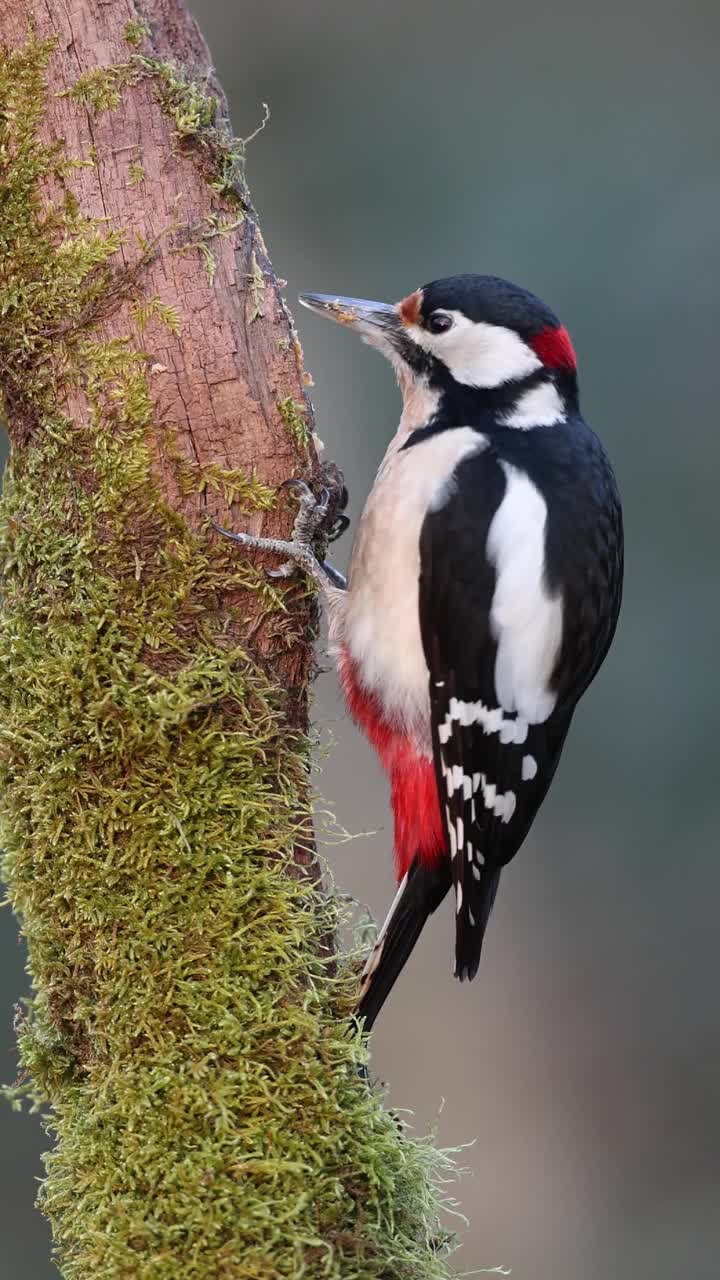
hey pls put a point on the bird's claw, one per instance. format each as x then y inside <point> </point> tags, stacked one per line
<point>285,570</point>
<point>307,531</point>
<point>245,538</point>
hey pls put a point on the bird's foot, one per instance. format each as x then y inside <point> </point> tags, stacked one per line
<point>309,530</point>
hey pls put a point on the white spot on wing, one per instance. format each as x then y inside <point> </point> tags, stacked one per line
<point>529,768</point>
<point>509,801</point>
<point>502,803</point>
<point>455,779</point>
<point>459,895</point>
<point>492,720</point>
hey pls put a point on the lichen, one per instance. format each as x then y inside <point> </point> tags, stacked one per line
<point>187,1036</point>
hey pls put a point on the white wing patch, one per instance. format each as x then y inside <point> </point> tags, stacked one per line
<point>526,620</point>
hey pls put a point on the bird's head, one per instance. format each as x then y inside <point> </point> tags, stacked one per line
<point>479,344</point>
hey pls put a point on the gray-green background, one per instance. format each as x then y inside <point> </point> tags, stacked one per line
<point>573,148</point>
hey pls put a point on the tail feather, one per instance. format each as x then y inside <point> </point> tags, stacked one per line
<point>420,893</point>
<point>473,913</point>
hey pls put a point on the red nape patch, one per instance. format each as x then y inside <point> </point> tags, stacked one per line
<point>554,348</point>
<point>409,308</point>
<point>413,790</point>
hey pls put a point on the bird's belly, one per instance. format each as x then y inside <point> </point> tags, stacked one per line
<point>380,623</point>
<point>381,626</point>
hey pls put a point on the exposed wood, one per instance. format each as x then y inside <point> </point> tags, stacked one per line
<point>217,384</point>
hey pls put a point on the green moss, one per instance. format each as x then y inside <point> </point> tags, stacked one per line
<point>194,112</point>
<point>99,89</point>
<point>256,284</point>
<point>196,239</point>
<point>294,415</point>
<point>136,30</point>
<point>136,174</point>
<point>187,1036</point>
<point>146,308</point>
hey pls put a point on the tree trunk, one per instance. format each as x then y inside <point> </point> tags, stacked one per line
<point>187,1032</point>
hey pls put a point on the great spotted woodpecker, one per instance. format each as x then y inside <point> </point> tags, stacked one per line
<point>483,591</point>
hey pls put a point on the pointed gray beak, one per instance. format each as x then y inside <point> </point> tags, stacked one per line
<point>373,320</point>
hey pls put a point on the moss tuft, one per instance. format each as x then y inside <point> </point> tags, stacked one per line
<point>187,1033</point>
<point>146,308</point>
<point>99,89</point>
<point>294,415</point>
<point>136,173</point>
<point>136,30</point>
<point>195,114</point>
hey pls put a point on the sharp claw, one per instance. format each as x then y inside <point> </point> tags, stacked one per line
<point>323,502</point>
<point>228,533</point>
<point>304,488</point>
<point>285,570</point>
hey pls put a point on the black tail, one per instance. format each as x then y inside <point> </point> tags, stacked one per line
<point>474,903</point>
<point>420,893</point>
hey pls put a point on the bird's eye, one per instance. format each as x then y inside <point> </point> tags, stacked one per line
<point>439,322</point>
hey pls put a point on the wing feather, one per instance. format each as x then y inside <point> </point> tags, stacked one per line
<point>492,766</point>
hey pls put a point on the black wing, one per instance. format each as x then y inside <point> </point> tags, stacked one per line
<point>493,769</point>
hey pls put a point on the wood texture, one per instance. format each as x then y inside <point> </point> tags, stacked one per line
<point>218,383</point>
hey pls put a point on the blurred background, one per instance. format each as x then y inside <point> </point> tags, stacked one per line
<point>573,149</point>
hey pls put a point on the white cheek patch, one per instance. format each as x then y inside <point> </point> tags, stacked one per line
<point>479,354</point>
<point>526,620</point>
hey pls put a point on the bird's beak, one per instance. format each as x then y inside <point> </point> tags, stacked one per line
<point>374,321</point>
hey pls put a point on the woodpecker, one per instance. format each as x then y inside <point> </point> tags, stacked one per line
<point>482,596</point>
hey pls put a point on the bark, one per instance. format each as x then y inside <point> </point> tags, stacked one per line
<point>186,1031</point>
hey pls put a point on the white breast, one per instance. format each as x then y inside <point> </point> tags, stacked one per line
<point>378,620</point>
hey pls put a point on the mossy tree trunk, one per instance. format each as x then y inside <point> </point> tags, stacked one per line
<point>187,1035</point>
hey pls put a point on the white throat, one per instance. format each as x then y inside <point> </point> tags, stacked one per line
<point>420,401</point>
